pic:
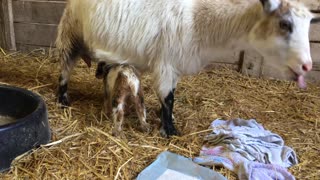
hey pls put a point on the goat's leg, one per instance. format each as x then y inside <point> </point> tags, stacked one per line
<point>107,105</point>
<point>64,43</point>
<point>70,47</point>
<point>118,112</point>
<point>69,58</point>
<point>165,87</point>
<point>167,129</point>
<point>118,115</point>
<point>70,53</point>
<point>141,111</point>
<point>67,66</point>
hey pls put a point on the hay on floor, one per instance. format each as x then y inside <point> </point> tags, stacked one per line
<point>82,148</point>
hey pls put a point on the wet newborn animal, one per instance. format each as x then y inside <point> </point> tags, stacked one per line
<point>122,84</point>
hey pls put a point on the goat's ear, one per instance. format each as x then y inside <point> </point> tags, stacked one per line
<point>270,5</point>
<point>100,70</point>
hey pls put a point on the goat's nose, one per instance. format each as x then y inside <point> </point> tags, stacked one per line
<point>307,67</point>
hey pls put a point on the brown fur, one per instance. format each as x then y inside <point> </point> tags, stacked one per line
<point>267,26</point>
<point>223,19</point>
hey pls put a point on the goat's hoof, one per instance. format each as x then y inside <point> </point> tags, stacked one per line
<point>116,132</point>
<point>145,127</point>
<point>64,101</point>
<point>168,132</point>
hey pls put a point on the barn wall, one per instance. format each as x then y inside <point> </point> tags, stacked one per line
<point>33,24</point>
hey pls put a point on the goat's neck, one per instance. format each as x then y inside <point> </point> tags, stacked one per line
<point>225,23</point>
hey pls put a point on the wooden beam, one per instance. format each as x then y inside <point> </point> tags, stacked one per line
<point>252,63</point>
<point>4,40</point>
<point>35,34</point>
<point>315,55</point>
<point>7,37</point>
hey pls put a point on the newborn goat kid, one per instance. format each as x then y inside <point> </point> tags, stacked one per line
<point>121,84</point>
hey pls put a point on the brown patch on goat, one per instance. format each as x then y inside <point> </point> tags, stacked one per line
<point>265,29</point>
<point>218,22</point>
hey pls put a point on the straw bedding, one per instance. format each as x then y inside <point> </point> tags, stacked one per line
<point>82,147</point>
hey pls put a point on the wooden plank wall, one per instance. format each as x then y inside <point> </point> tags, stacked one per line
<point>35,22</point>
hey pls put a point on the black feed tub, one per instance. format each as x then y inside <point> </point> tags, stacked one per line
<point>28,128</point>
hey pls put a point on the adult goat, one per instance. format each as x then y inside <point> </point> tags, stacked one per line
<point>172,38</point>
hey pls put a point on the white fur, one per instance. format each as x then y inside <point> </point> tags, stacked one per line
<point>299,47</point>
<point>133,80</point>
<point>111,78</point>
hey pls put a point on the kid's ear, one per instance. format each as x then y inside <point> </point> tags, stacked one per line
<point>100,70</point>
<point>106,68</point>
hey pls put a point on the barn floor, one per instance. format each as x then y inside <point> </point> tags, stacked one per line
<point>87,151</point>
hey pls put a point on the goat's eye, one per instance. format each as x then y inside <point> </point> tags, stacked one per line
<point>286,25</point>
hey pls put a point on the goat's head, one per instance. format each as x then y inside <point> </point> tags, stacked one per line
<point>282,37</point>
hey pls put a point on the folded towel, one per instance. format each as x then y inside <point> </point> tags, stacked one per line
<point>245,147</point>
<point>250,139</point>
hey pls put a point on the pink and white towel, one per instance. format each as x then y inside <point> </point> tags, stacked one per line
<point>246,148</point>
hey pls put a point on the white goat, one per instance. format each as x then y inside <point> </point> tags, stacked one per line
<point>172,38</point>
